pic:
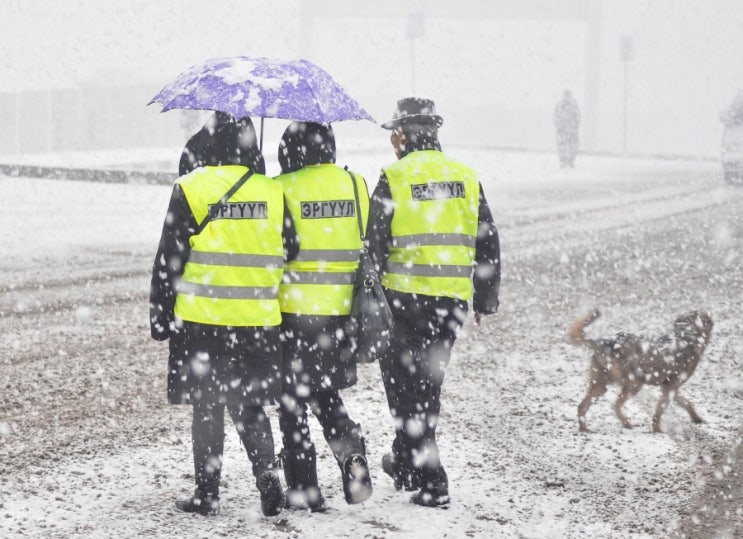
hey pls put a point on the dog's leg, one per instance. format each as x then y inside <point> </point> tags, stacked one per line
<point>628,391</point>
<point>686,405</point>
<point>597,388</point>
<point>660,408</point>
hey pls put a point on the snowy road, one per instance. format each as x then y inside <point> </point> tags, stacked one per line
<point>89,447</point>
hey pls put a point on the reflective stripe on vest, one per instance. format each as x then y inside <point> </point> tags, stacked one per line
<point>228,292</point>
<point>234,268</point>
<point>317,277</point>
<point>328,255</point>
<point>232,259</point>
<point>434,226</point>
<point>429,271</point>
<point>416,240</point>
<point>322,203</point>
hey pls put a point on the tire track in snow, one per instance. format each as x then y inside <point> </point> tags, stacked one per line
<point>561,229</point>
<point>532,214</point>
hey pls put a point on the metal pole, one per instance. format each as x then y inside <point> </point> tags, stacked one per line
<point>415,30</point>
<point>17,122</point>
<point>49,121</point>
<point>592,78</point>
<point>627,49</point>
<point>624,137</point>
<point>412,63</point>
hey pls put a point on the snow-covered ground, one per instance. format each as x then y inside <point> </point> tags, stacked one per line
<point>90,448</point>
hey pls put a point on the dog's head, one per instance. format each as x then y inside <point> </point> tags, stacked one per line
<point>695,325</point>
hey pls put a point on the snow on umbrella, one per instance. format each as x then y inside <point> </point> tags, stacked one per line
<point>265,87</point>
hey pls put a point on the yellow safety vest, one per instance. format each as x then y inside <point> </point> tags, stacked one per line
<point>434,227</point>
<point>322,203</point>
<point>234,268</point>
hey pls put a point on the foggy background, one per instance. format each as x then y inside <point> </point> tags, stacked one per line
<point>77,75</point>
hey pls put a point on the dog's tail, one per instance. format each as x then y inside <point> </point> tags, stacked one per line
<point>576,334</point>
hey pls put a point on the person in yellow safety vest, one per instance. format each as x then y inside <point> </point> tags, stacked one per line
<point>315,298</point>
<point>431,236</point>
<point>214,295</point>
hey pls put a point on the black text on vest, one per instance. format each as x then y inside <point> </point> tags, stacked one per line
<point>437,191</point>
<point>239,210</point>
<point>328,208</point>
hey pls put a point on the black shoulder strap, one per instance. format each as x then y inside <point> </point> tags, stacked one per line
<point>358,205</point>
<point>245,177</point>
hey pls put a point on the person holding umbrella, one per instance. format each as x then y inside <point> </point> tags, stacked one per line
<point>214,296</point>
<point>201,149</point>
<point>432,237</point>
<point>315,298</point>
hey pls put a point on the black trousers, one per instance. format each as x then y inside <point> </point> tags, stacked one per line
<point>339,430</point>
<point>413,369</point>
<point>207,431</point>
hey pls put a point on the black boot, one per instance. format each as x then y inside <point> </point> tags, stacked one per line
<point>272,495</point>
<point>434,490</point>
<point>300,472</point>
<point>402,475</point>
<point>357,484</point>
<point>202,502</point>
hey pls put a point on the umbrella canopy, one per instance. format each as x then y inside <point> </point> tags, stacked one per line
<point>264,87</point>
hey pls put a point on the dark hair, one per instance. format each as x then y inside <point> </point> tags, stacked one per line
<point>306,143</point>
<point>419,137</point>
<point>223,141</point>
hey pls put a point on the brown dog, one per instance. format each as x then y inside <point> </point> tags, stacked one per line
<point>632,362</point>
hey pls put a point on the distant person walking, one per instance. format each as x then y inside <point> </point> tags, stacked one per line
<point>214,295</point>
<point>315,298</point>
<point>432,236</point>
<point>566,118</point>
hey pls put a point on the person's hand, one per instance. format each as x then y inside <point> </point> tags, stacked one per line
<point>478,318</point>
<point>159,335</point>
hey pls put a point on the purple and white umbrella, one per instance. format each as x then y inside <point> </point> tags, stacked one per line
<point>262,87</point>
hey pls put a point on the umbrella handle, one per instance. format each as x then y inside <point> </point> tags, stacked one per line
<point>261,139</point>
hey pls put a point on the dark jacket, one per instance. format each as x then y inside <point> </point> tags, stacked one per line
<point>566,116</point>
<point>223,364</point>
<point>487,273</point>
<point>311,348</point>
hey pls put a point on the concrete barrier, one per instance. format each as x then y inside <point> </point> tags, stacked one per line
<point>87,175</point>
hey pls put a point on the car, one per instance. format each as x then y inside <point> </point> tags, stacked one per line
<point>732,153</point>
<point>732,141</point>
